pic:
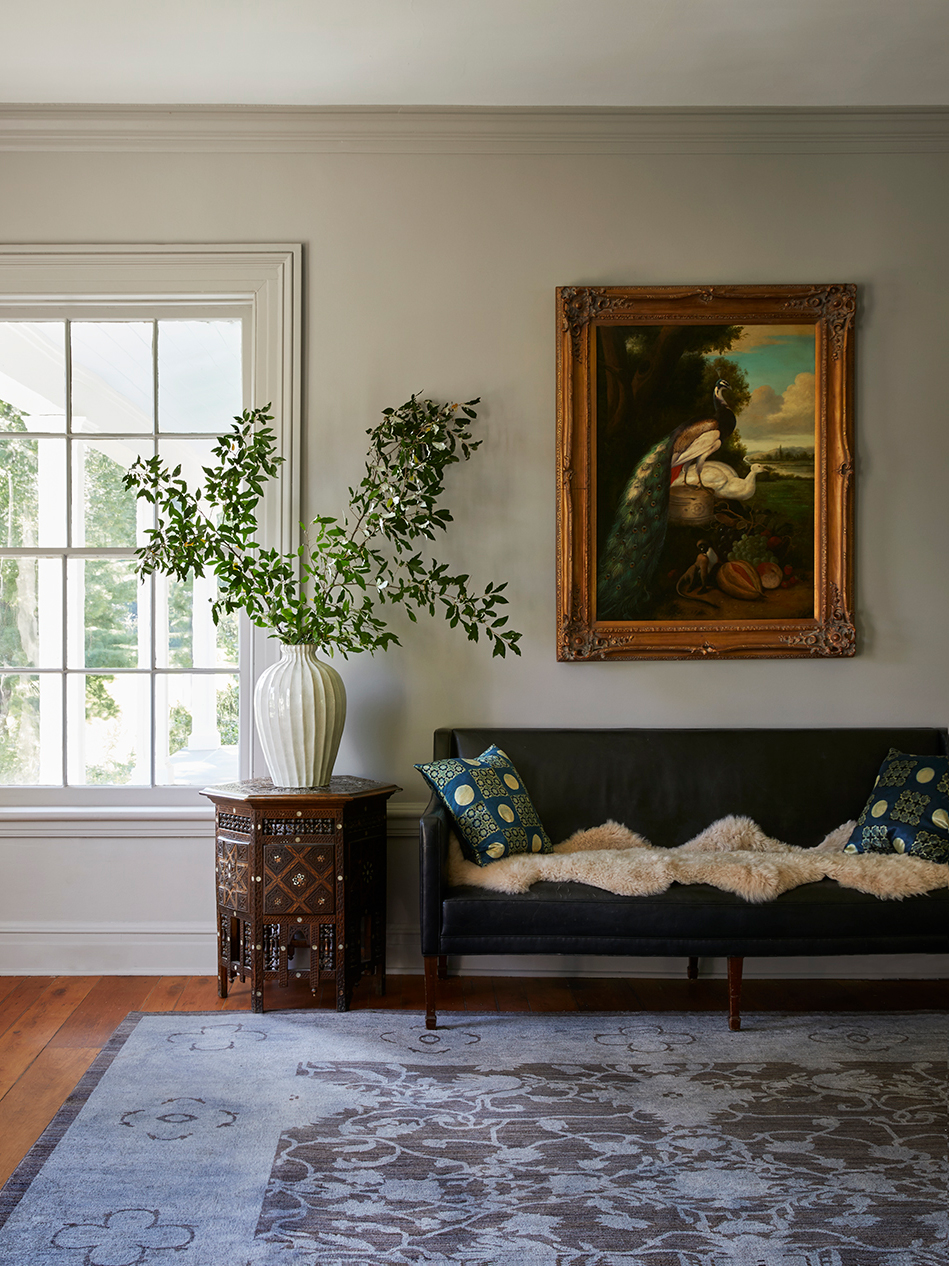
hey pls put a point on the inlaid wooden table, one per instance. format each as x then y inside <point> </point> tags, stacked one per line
<point>301,871</point>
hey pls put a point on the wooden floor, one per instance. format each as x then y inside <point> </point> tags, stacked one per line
<point>52,1027</point>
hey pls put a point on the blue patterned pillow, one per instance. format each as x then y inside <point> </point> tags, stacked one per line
<point>493,813</point>
<point>908,809</point>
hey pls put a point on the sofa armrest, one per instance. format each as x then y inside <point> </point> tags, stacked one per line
<point>434,826</point>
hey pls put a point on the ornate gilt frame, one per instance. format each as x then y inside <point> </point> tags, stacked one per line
<point>581,637</point>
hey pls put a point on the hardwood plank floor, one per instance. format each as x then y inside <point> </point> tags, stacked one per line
<point>25,991</point>
<point>102,1010</point>
<point>7,985</point>
<point>37,1095</point>
<point>38,1025</point>
<point>52,1027</point>
<point>164,994</point>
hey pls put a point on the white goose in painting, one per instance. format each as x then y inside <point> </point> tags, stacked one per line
<point>721,479</point>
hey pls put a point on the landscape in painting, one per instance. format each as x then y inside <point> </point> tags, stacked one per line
<point>705,462</point>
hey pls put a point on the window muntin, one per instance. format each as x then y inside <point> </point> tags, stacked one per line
<point>128,678</point>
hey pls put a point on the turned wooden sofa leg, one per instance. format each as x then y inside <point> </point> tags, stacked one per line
<point>431,989</point>
<point>443,967</point>
<point>734,992</point>
<point>692,971</point>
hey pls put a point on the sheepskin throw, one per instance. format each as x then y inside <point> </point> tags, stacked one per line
<point>733,854</point>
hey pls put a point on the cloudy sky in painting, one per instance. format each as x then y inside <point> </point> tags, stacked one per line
<point>779,362</point>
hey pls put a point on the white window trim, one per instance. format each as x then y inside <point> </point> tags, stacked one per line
<point>264,282</point>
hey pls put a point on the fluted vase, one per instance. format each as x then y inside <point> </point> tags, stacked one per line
<point>300,707</point>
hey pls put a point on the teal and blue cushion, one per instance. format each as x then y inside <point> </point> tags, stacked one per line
<point>908,809</point>
<point>486,797</point>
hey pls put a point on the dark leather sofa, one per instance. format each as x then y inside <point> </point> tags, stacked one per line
<point>668,785</point>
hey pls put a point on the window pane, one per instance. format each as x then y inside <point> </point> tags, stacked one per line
<point>199,375</point>
<point>31,612</point>
<point>105,514</point>
<point>32,375</point>
<point>113,382</point>
<point>191,455</point>
<point>19,498</point>
<point>197,720</point>
<point>109,723</point>
<point>32,492</point>
<point>187,637</point>
<point>31,743</point>
<point>108,614</point>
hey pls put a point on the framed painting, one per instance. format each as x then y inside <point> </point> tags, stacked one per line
<point>705,472</point>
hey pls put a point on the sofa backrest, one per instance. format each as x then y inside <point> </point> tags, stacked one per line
<point>670,784</point>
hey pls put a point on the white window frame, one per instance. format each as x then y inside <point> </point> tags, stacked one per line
<point>260,283</point>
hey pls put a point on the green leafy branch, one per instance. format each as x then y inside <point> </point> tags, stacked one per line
<point>329,590</point>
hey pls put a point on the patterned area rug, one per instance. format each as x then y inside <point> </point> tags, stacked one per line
<point>665,1140</point>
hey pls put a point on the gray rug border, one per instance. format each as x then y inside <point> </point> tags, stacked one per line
<point>19,1182</point>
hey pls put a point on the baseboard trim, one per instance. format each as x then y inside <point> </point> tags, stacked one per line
<point>190,949</point>
<point>108,949</point>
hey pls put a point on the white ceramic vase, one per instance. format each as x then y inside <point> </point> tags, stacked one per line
<point>300,707</point>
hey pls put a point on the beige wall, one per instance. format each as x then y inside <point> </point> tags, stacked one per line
<point>436,273</point>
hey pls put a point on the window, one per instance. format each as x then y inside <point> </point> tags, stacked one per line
<point>106,682</point>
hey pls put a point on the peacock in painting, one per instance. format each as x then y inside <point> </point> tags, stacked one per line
<point>629,560</point>
<point>636,538</point>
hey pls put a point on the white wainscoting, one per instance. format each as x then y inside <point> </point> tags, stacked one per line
<point>123,892</point>
<point>131,892</point>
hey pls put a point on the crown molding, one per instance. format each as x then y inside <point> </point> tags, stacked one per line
<point>471,130</point>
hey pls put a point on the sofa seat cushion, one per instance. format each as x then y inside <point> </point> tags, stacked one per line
<point>821,912</point>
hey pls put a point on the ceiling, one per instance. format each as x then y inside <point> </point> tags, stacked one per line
<point>612,53</point>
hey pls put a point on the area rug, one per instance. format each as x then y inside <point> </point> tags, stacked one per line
<point>227,1139</point>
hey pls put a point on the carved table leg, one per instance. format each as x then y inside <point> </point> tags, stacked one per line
<point>431,990</point>
<point>257,974</point>
<point>222,980</point>
<point>343,991</point>
<point>734,992</point>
